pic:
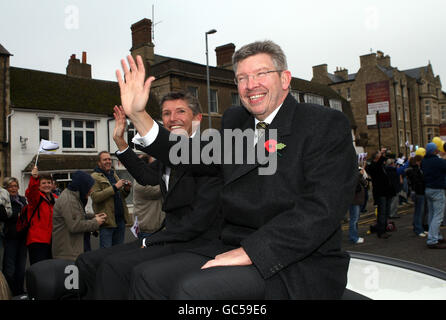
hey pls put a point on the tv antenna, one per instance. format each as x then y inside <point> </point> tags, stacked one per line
<point>153,22</point>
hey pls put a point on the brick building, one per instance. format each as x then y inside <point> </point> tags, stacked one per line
<point>411,103</point>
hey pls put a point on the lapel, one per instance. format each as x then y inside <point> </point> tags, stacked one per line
<point>162,183</point>
<point>174,177</point>
<point>282,123</point>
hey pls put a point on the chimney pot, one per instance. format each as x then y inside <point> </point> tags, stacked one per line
<point>84,57</point>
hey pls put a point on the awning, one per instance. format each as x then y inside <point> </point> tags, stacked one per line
<point>63,163</point>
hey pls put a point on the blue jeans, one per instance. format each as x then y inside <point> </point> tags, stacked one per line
<point>435,205</point>
<point>418,214</point>
<point>353,228</point>
<point>109,237</point>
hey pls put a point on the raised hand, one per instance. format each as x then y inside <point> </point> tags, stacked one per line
<point>118,132</point>
<point>35,172</point>
<point>134,91</point>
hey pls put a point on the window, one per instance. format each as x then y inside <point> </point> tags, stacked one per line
<point>44,129</point>
<point>401,138</point>
<point>430,134</point>
<point>349,95</point>
<point>312,98</point>
<point>214,101</point>
<point>443,113</point>
<point>295,95</point>
<point>62,180</point>
<point>193,91</point>
<point>78,134</point>
<point>131,132</point>
<point>235,99</point>
<point>336,104</point>
<point>399,113</point>
<point>427,108</point>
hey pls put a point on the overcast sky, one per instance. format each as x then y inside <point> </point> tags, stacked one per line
<point>42,34</point>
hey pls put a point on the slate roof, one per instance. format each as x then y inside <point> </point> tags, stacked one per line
<point>33,89</point>
<point>305,86</point>
<point>415,72</point>
<point>190,69</point>
<point>3,51</point>
<point>337,79</point>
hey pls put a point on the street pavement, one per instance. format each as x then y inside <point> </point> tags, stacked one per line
<point>403,244</point>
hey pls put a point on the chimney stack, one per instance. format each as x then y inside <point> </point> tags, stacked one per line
<point>320,74</point>
<point>342,73</point>
<point>142,41</point>
<point>368,60</point>
<point>224,55</point>
<point>77,69</point>
<point>383,61</point>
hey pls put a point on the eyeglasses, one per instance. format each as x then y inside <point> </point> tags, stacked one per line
<point>259,76</point>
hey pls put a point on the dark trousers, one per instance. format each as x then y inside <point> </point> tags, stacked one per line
<point>14,264</point>
<point>383,212</point>
<point>179,277</point>
<point>38,252</point>
<point>88,264</point>
<point>105,273</point>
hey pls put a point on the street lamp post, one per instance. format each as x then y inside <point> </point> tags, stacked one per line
<point>207,76</point>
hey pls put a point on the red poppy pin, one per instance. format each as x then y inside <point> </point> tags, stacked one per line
<point>272,146</point>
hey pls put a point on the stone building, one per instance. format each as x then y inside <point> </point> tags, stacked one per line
<point>411,103</point>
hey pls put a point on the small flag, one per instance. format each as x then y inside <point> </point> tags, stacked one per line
<point>48,147</point>
<point>135,228</point>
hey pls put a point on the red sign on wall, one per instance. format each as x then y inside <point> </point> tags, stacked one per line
<point>378,100</point>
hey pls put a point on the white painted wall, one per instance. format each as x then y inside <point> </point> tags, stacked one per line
<point>25,124</point>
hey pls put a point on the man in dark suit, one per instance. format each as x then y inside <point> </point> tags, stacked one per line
<point>191,204</point>
<point>281,236</point>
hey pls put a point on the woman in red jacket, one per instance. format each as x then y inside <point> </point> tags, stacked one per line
<point>41,199</point>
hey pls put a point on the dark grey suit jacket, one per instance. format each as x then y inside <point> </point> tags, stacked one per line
<point>289,223</point>
<point>191,203</point>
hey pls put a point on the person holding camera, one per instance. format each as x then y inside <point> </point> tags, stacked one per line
<point>70,220</point>
<point>108,196</point>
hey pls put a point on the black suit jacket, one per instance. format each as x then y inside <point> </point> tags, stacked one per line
<point>289,223</point>
<point>191,203</point>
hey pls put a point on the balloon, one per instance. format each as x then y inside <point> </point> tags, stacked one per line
<point>420,152</point>
<point>439,143</point>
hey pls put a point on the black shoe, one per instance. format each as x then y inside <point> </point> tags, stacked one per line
<point>437,246</point>
<point>384,235</point>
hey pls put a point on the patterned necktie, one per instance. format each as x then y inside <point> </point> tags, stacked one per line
<point>261,127</point>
